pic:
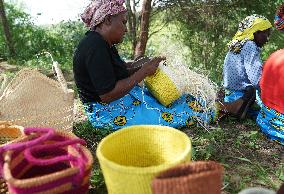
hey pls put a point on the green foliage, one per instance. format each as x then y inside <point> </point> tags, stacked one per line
<point>237,145</point>
<point>206,143</point>
<point>97,182</point>
<point>93,136</point>
<point>125,48</point>
<point>30,40</point>
<point>205,27</point>
<point>202,28</point>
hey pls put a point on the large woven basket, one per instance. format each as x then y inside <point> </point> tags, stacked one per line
<point>163,85</point>
<point>32,99</point>
<point>202,177</point>
<point>131,157</point>
<point>8,133</point>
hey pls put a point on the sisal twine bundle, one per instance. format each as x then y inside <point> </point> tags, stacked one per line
<point>190,178</point>
<point>33,100</point>
<point>190,81</point>
<point>176,79</point>
<point>196,84</point>
<point>8,134</point>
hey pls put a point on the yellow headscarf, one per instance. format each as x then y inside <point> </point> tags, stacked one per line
<point>247,28</point>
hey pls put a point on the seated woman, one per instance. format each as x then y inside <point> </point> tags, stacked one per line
<point>271,117</point>
<point>109,90</point>
<point>279,18</point>
<point>242,66</point>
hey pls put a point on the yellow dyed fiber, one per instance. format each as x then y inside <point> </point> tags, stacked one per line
<point>131,157</point>
<point>9,132</point>
<point>162,87</point>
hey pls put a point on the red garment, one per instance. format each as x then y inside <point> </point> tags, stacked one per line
<point>272,82</point>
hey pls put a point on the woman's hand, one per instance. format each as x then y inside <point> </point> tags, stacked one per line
<point>134,66</point>
<point>150,67</point>
<point>122,87</point>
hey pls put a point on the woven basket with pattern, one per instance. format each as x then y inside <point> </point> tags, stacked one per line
<point>202,177</point>
<point>32,99</point>
<point>47,161</point>
<point>164,85</point>
<point>131,157</point>
<point>8,133</point>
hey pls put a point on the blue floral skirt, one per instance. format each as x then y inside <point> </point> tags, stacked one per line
<point>233,95</point>
<point>271,123</point>
<point>139,107</point>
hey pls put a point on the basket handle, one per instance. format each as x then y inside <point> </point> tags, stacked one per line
<point>44,162</point>
<point>59,75</point>
<point>48,133</point>
<point>28,153</point>
<point>4,80</point>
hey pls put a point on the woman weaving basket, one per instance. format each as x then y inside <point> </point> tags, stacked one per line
<point>109,89</point>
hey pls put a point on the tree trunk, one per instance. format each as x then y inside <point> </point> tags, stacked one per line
<point>6,29</point>
<point>144,28</point>
<point>132,24</point>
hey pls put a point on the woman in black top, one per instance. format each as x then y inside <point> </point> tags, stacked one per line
<point>107,87</point>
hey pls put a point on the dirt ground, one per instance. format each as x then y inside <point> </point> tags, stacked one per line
<point>249,158</point>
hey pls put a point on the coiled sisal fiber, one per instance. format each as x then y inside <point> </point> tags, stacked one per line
<point>132,156</point>
<point>32,99</point>
<point>46,161</point>
<point>163,85</point>
<point>201,177</point>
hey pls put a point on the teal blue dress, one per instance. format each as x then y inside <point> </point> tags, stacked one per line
<point>139,107</point>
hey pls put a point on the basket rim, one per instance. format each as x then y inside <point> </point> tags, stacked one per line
<point>144,170</point>
<point>213,168</point>
<point>34,181</point>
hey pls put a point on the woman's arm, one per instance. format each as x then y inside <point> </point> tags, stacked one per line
<point>122,87</point>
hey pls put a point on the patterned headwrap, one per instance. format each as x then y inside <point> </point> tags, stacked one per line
<point>97,10</point>
<point>247,28</point>
<point>279,18</point>
<point>279,23</point>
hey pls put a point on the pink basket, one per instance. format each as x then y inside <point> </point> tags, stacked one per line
<point>46,161</point>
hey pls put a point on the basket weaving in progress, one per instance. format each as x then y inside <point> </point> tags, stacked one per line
<point>164,85</point>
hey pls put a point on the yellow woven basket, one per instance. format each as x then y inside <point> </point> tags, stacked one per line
<point>8,133</point>
<point>131,157</point>
<point>163,86</point>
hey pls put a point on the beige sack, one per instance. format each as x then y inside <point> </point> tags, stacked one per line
<point>32,99</point>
